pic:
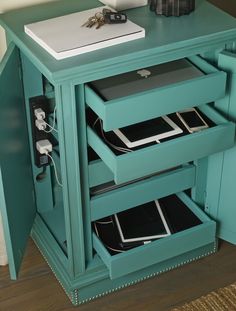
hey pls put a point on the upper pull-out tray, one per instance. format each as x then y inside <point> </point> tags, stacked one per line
<point>159,90</point>
<point>165,155</point>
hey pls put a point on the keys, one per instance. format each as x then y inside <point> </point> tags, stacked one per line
<point>90,22</point>
<point>97,19</point>
<point>100,22</point>
<point>105,17</point>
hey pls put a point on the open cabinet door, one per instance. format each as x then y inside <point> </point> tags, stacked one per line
<point>221,190</point>
<point>17,204</point>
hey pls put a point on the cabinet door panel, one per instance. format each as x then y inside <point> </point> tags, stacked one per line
<point>16,184</point>
<point>221,194</point>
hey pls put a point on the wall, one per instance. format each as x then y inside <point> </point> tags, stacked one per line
<point>6,5</point>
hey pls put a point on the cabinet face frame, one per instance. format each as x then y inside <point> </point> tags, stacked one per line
<point>69,162</point>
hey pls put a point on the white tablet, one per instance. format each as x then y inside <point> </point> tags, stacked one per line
<point>142,223</point>
<point>148,131</point>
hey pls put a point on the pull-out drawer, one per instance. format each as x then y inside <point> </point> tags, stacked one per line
<point>168,154</point>
<point>142,191</point>
<point>140,257</point>
<point>191,90</point>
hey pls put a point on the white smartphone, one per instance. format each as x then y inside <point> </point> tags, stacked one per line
<point>192,120</point>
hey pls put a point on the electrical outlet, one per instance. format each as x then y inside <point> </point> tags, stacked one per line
<point>38,104</point>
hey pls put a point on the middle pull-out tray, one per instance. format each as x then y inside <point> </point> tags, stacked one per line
<point>191,82</point>
<point>145,161</point>
<point>158,251</point>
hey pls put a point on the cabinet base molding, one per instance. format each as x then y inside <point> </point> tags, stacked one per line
<point>96,283</point>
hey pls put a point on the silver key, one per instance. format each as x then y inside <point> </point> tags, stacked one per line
<point>93,21</point>
<point>100,22</point>
<point>87,22</point>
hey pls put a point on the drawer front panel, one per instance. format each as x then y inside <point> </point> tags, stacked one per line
<point>159,250</point>
<point>142,192</point>
<point>150,104</point>
<point>99,173</point>
<point>168,154</point>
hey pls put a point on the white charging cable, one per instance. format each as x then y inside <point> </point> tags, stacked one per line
<point>111,248</point>
<point>52,127</point>
<point>118,148</point>
<point>55,170</point>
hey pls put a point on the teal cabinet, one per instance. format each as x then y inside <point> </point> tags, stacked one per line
<point>96,182</point>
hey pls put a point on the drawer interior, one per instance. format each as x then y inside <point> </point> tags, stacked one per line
<point>133,97</point>
<point>171,152</point>
<point>188,228</point>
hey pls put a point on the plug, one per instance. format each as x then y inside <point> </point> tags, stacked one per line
<point>39,114</point>
<point>40,124</point>
<point>44,146</point>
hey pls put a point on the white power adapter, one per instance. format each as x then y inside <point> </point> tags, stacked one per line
<point>44,146</point>
<point>41,125</point>
<point>39,114</point>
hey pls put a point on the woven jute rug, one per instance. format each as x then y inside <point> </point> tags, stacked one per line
<point>223,299</point>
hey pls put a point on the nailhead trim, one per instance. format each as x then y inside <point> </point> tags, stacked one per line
<point>74,295</point>
<point>149,276</point>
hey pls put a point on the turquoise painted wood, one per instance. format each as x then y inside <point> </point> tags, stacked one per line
<point>197,36</point>
<point>142,192</point>
<point>106,286</point>
<point>17,202</point>
<point>83,273</point>
<point>99,173</point>
<point>224,211</point>
<point>159,250</point>
<point>160,157</point>
<point>146,105</point>
<point>83,169</point>
<point>95,282</point>
<point>70,173</point>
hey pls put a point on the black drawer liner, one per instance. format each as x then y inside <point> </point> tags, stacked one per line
<point>178,216</point>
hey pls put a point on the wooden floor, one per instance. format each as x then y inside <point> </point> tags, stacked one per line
<point>38,290</point>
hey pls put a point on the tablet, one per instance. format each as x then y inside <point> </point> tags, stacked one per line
<point>142,223</point>
<point>148,131</point>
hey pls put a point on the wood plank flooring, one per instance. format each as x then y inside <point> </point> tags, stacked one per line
<point>37,289</point>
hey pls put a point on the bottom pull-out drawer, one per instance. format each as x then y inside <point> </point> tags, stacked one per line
<point>190,229</point>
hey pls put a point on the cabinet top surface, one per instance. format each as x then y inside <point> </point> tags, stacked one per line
<point>207,28</point>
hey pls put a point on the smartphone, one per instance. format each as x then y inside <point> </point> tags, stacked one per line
<point>192,120</point>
